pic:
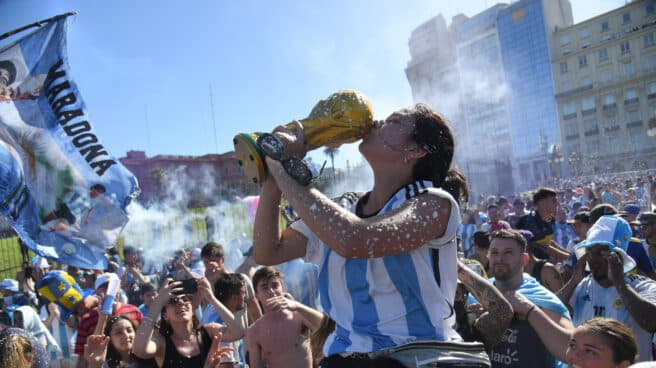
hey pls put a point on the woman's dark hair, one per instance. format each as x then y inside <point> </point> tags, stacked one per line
<point>113,357</point>
<point>619,337</point>
<point>433,135</point>
<point>165,328</point>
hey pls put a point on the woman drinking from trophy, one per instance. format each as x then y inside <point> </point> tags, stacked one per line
<point>386,258</point>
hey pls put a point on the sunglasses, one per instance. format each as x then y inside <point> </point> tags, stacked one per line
<point>182,299</point>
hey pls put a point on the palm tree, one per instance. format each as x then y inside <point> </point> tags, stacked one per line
<point>331,152</point>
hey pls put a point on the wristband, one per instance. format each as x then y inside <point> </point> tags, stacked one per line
<point>529,311</point>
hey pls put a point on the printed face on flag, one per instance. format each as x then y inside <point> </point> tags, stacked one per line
<point>67,196</point>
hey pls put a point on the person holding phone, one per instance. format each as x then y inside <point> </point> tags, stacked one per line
<point>182,341</point>
<point>610,290</point>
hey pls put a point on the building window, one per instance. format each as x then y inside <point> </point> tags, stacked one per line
<point>651,90</point>
<point>588,106</point>
<point>563,68</point>
<point>564,40</point>
<point>604,26</point>
<point>583,61</point>
<point>625,47</point>
<point>649,9</point>
<point>633,117</point>
<point>571,131</point>
<point>566,86</point>
<point>609,101</point>
<point>631,96</point>
<point>569,110</point>
<point>584,32</point>
<point>651,63</point>
<point>586,83</point>
<point>628,69</point>
<point>648,39</point>
<point>606,76</point>
<point>603,55</point>
<point>626,18</point>
<point>590,128</point>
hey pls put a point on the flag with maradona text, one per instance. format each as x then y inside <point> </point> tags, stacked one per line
<point>60,189</point>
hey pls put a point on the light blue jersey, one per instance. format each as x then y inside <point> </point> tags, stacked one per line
<point>379,303</point>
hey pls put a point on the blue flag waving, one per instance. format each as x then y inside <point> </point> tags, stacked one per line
<point>60,189</point>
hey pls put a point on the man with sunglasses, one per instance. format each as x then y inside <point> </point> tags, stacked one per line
<point>646,224</point>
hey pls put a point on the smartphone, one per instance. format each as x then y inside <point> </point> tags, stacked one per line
<point>189,286</point>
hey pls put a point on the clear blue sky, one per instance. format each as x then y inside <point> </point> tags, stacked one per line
<point>144,67</point>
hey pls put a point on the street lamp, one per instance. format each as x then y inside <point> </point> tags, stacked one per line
<point>574,162</point>
<point>556,159</point>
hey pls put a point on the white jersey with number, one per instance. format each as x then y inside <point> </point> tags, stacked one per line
<point>592,300</point>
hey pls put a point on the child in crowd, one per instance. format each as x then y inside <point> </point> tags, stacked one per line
<point>281,338</point>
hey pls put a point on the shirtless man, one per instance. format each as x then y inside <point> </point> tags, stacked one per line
<point>281,338</point>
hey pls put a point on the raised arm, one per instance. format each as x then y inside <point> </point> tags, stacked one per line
<point>640,308</point>
<point>566,292</point>
<point>235,323</point>
<point>422,218</point>
<point>553,329</point>
<point>270,246</point>
<point>146,345</point>
<point>493,322</point>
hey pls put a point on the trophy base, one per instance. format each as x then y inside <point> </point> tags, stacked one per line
<point>251,157</point>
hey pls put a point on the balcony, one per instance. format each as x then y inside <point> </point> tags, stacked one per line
<point>589,112</point>
<point>611,106</point>
<point>611,129</point>
<point>572,137</point>
<point>634,124</point>
<point>569,116</point>
<point>591,132</point>
<point>651,96</point>
<point>631,101</point>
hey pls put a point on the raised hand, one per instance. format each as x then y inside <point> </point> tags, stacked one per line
<point>95,350</point>
<point>216,352</point>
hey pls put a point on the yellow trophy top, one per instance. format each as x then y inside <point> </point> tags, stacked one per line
<point>344,117</point>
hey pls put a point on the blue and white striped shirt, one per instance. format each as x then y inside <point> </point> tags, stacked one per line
<point>379,303</point>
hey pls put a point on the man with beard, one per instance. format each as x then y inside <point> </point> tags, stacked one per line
<point>522,344</point>
<point>609,291</point>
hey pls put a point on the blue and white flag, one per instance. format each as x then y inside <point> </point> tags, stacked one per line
<point>60,189</point>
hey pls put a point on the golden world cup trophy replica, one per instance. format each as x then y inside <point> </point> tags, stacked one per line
<point>344,117</point>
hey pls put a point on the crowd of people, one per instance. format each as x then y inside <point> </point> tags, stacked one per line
<point>408,274</point>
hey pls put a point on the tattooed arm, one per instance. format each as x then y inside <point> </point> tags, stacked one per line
<point>493,323</point>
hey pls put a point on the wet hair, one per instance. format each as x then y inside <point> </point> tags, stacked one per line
<point>491,206</point>
<point>601,210</point>
<point>502,201</point>
<point>16,351</point>
<point>266,273</point>
<point>482,238</point>
<point>212,249</point>
<point>10,68</point>
<point>582,216</point>
<point>510,234</point>
<point>433,135</point>
<point>228,285</point>
<point>543,193</point>
<point>619,337</point>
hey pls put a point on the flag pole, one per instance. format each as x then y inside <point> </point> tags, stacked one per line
<point>35,24</point>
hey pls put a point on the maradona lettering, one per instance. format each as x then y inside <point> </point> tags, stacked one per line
<point>62,100</point>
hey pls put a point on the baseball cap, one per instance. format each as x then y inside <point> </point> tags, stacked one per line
<point>630,209</point>
<point>59,287</point>
<point>39,262</point>
<point>613,232</point>
<point>103,279</point>
<point>645,218</point>
<point>9,284</point>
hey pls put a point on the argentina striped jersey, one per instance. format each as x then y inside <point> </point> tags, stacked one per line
<point>379,303</point>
